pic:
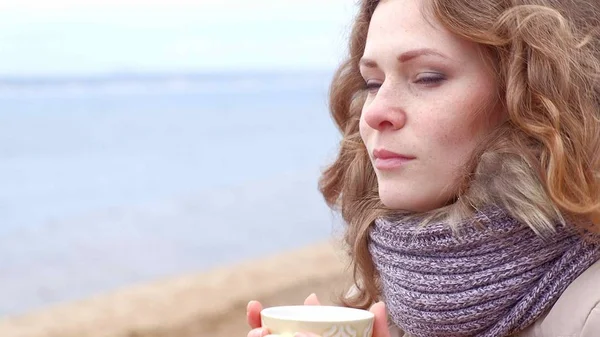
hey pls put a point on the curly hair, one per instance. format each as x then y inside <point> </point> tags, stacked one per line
<point>543,164</point>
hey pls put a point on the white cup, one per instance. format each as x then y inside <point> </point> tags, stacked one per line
<point>325,321</point>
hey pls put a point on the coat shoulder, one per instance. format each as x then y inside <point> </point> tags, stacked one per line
<point>591,327</point>
<point>577,311</point>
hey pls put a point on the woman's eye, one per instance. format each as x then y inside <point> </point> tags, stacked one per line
<point>430,79</point>
<point>372,85</point>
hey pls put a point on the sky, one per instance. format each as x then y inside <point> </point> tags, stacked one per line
<point>50,37</point>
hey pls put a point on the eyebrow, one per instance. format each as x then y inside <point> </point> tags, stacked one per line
<point>405,57</point>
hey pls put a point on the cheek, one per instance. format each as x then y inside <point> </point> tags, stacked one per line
<point>452,146</point>
<point>467,121</point>
<point>364,130</point>
<point>453,139</point>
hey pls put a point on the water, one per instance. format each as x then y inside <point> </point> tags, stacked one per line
<point>117,180</point>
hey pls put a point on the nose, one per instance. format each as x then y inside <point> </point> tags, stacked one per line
<point>384,113</point>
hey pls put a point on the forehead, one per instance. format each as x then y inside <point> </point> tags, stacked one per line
<point>400,25</point>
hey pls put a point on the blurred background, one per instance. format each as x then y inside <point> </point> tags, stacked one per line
<point>145,139</point>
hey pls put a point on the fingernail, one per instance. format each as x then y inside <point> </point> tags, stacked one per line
<point>258,332</point>
<point>248,307</point>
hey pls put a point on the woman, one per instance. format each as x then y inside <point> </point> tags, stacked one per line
<point>468,174</point>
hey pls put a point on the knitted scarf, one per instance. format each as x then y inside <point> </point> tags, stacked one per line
<point>492,278</point>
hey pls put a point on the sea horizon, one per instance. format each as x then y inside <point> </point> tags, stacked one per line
<point>115,180</point>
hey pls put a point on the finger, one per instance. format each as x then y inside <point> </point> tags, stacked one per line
<point>312,299</point>
<point>260,332</point>
<point>253,314</point>
<point>380,325</point>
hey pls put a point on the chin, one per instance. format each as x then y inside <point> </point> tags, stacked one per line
<point>408,203</point>
<point>398,203</point>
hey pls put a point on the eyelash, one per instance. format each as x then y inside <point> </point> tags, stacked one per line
<point>431,79</point>
<point>427,81</point>
<point>372,86</point>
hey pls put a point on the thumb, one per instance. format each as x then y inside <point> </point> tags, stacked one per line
<point>380,325</point>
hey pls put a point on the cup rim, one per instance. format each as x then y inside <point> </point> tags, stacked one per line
<point>275,312</point>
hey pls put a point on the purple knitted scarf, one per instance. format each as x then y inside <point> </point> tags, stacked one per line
<point>486,281</point>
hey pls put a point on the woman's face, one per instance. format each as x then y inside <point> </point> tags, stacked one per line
<point>430,101</point>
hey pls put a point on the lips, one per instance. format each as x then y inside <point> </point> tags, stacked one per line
<point>388,160</point>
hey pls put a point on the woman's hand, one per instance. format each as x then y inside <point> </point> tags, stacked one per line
<point>253,316</point>
<point>380,326</point>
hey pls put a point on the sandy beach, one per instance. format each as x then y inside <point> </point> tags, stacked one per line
<point>212,303</point>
